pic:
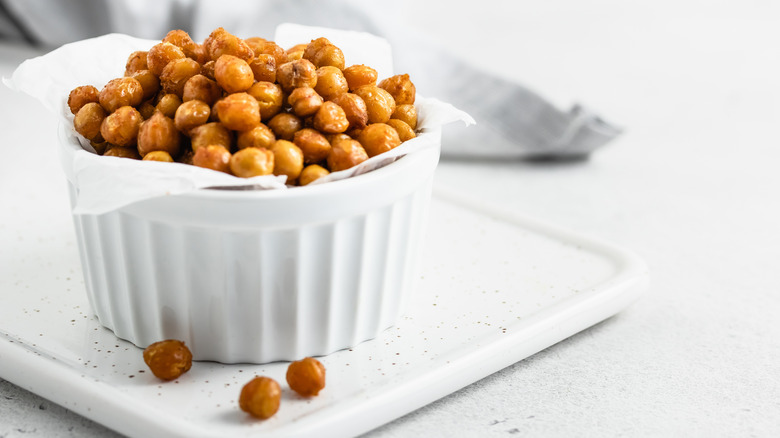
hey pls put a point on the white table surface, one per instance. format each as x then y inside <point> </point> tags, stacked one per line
<point>692,186</point>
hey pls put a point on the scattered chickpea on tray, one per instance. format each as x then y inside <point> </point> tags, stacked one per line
<point>246,107</point>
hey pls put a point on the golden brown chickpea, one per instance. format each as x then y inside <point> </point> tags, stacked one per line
<point>210,134</point>
<point>238,111</point>
<point>285,125</point>
<point>345,153</point>
<point>199,54</point>
<point>269,97</point>
<point>168,359</point>
<point>295,74</point>
<point>88,120</point>
<point>146,109</point>
<point>249,162</point>
<point>191,114</point>
<point>260,136</point>
<point>295,52</point>
<point>304,101</point>
<point>182,39</point>
<point>406,113</point>
<point>158,134</point>
<point>177,73</point>
<point>121,126</point>
<point>405,132</point>
<point>401,88</point>
<point>122,152</point>
<point>288,159</point>
<point>315,146</point>
<point>379,103</point>
<point>354,108</point>
<point>149,83</point>
<point>158,156</point>
<point>207,69</point>
<point>255,43</point>
<point>359,75</point>
<point>263,67</point>
<point>81,96</point>
<point>273,49</point>
<point>233,74</point>
<point>220,42</point>
<point>330,55</point>
<point>260,397</point>
<point>377,138</point>
<point>331,119</point>
<point>310,173</point>
<point>201,88</point>
<point>306,376</point>
<point>160,55</point>
<point>314,46</point>
<point>119,92</point>
<point>168,104</point>
<point>214,157</point>
<point>136,62</point>
<point>330,82</point>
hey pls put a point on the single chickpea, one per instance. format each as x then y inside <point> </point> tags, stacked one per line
<point>168,359</point>
<point>359,75</point>
<point>119,92</point>
<point>121,126</point>
<point>81,96</point>
<point>314,46</point>
<point>214,157</point>
<point>379,103</point>
<point>136,62</point>
<point>273,49</point>
<point>311,173</point>
<point>150,84</point>
<point>354,108</point>
<point>88,120</point>
<point>285,125</point>
<point>331,119</point>
<point>401,88</point>
<point>213,133</point>
<point>330,82</point>
<point>288,160</point>
<point>233,74</point>
<point>160,55</point>
<point>122,152</point>
<point>406,113</point>
<point>220,42</point>
<point>191,114</point>
<point>201,88</point>
<point>295,52</point>
<point>177,73</point>
<point>249,162</point>
<point>260,136</point>
<point>315,146</point>
<point>158,133</point>
<point>255,43</point>
<point>182,40</point>
<point>263,67</point>
<point>345,153</point>
<point>269,97</point>
<point>329,55</point>
<point>199,54</point>
<point>168,104</point>
<point>238,111</point>
<point>260,397</point>
<point>306,376</point>
<point>377,138</point>
<point>158,156</point>
<point>405,132</point>
<point>295,74</point>
<point>304,101</point>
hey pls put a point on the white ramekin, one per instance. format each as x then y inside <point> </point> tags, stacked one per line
<point>260,276</point>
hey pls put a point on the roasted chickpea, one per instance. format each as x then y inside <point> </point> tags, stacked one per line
<point>255,43</point>
<point>249,162</point>
<point>330,82</point>
<point>354,108</point>
<point>220,42</point>
<point>136,62</point>
<point>177,73</point>
<point>160,55</point>
<point>199,54</point>
<point>191,114</point>
<point>269,97</point>
<point>168,104</point>
<point>149,83</point>
<point>306,376</point>
<point>295,74</point>
<point>122,152</point>
<point>405,132</point>
<point>379,103</point>
<point>158,156</point>
<point>119,92</point>
<point>233,74</point>
<point>88,120</point>
<point>285,125</point>
<point>315,146</point>
<point>378,137</point>
<point>314,46</point>
<point>260,136</point>
<point>158,133</point>
<point>345,153</point>
<point>273,49</point>
<point>331,119</point>
<point>406,113</point>
<point>213,133</point>
<point>304,101</point>
<point>311,173</point>
<point>146,109</point>
<point>214,157</point>
<point>401,88</point>
<point>121,126</point>
<point>288,159</point>
<point>182,39</point>
<point>81,96</point>
<point>201,88</point>
<point>260,397</point>
<point>207,69</point>
<point>168,359</point>
<point>238,111</point>
<point>329,55</point>
<point>263,67</point>
<point>295,52</point>
<point>359,75</point>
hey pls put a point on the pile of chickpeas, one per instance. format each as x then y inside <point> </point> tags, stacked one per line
<point>247,107</point>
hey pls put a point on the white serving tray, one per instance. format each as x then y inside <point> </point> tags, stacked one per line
<point>495,288</point>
